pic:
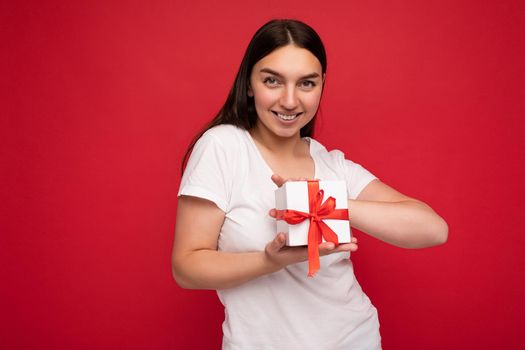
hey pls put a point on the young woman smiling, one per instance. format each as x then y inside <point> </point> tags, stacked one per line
<point>225,231</point>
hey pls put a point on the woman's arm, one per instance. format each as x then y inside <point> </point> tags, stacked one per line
<point>197,264</point>
<point>390,216</point>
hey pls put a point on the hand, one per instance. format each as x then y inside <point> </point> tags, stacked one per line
<point>281,256</point>
<point>279,181</point>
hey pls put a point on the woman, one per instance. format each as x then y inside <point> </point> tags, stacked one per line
<point>225,239</point>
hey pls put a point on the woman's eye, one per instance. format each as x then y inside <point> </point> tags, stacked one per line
<point>307,84</point>
<point>270,81</point>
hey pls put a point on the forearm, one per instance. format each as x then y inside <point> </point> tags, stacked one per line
<point>407,224</point>
<point>212,269</point>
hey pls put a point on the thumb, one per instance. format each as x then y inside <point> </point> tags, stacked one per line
<point>277,243</point>
<point>278,180</point>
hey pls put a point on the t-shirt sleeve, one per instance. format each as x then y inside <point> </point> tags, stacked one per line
<point>357,177</point>
<point>208,173</point>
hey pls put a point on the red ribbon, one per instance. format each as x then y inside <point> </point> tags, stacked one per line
<point>318,229</point>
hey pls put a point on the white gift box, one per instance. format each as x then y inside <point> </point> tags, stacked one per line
<point>293,195</point>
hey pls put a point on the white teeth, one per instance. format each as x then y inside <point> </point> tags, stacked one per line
<point>287,117</point>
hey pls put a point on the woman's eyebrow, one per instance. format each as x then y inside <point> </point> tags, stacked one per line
<point>268,70</point>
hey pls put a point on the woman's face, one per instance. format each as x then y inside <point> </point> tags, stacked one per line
<point>286,86</point>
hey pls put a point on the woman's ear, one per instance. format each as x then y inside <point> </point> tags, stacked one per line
<point>250,92</point>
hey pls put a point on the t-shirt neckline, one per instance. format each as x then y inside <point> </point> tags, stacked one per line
<point>265,163</point>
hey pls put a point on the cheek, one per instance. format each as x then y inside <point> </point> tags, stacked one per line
<point>265,98</point>
<point>313,100</point>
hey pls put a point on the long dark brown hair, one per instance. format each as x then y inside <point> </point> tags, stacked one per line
<point>239,108</point>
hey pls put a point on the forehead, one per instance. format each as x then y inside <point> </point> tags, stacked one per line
<point>290,61</point>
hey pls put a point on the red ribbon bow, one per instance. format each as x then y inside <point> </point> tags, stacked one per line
<point>318,229</point>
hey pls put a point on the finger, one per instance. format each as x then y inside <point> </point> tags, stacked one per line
<point>326,246</point>
<point>354,239</point>
<point>278,180</point>
<point>277,243</point>
<point>273,213</point>
<point>346,247</point>
<point>325,249</point>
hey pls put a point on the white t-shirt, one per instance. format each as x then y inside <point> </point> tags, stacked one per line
<point>285,309</point>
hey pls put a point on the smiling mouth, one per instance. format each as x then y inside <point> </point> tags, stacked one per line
<point>287,117</point>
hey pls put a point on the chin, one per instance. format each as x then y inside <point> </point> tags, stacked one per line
<point>287,133</point>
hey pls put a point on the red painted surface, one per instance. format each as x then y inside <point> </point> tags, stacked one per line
<point>99,101</point>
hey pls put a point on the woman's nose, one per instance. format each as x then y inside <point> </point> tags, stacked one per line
<point>289,98</point>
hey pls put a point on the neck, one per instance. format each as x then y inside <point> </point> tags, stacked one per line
<point>285,146</point>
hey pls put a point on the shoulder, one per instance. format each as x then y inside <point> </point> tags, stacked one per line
<point>224,136</point>
<point>224,132</point>
<point>356,176</point>
<point>220,144</point>
<point>332,156</point>
<point>215,152</point>
<point>337,160</point>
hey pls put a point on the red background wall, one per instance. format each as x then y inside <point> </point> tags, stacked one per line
<point>99,101</point>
